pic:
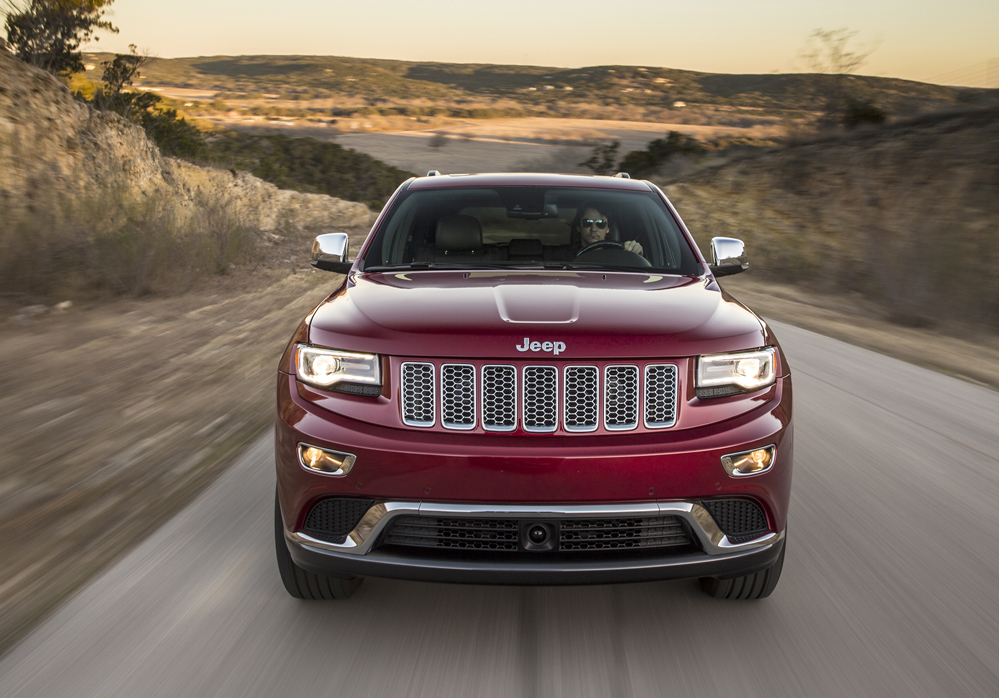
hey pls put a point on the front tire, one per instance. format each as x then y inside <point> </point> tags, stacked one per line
<point>758,585</point>
<point>303,584</point>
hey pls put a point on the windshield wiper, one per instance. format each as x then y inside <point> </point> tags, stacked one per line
<point>417,266</point>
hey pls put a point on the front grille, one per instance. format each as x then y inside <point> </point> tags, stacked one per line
<point>581,405</point>
<point>331,519</point>
<point>503,535</point>
<point>607,534</point>
<point>458,396</point>
<point>454,533</point>
<point>531,397</point>
<point>540,398</point>
<point>621,397</point>
<point>660,395</point>
<point>499,398</point>
<point>739,519</point>
<point>418,394</point>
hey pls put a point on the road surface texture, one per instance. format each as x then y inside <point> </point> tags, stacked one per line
<point>889,588</point>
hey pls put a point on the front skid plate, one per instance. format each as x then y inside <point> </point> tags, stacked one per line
<point>390,565</point>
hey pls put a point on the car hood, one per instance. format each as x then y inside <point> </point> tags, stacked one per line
<point>488,314</point>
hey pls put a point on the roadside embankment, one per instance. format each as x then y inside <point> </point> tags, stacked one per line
<point>144,303</point>
<point>905,218</point>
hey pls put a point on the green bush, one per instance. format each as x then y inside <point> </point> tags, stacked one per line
<point>308,165</point>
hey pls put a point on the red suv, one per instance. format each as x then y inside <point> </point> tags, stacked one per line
<point>531,379</point>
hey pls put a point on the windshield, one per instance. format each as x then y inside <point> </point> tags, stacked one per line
<point>524,227</point>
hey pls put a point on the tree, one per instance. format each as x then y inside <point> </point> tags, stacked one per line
<point>827,51</point>
<point>437,141</point>
<point>171,132</point>
<point>48,33</point>
<point>645,163</point>
<point>601,162</point>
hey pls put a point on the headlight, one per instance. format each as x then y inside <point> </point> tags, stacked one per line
<point>341,370</point>
<point>729,374</point>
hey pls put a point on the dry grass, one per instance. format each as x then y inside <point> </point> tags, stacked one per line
<point>116,242</point>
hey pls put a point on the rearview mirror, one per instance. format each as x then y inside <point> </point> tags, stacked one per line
<point>728,256</point>
<point>329,253</point>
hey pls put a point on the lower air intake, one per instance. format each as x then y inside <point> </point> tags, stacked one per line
<point>454,533</point>
<point>609,534</point>
<point>331,519</point>
<point>459,533</point>
<point>739,519</point>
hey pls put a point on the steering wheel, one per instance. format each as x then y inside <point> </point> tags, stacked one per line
<point>602,243</point>
<point>610,252</point>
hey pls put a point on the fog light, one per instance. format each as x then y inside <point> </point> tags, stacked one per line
<point>749,462</point>
<point>323,461</point>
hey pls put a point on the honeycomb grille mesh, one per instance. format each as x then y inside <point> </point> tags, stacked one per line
<point>540,398</point>
<point>499,398</point>
<point>621,397</point>
<point>418,394</point>
<point>331,519</point>
<point>742,518</point>
<point>581,411</point>
<point>458,396</point>
<point>660,395</point>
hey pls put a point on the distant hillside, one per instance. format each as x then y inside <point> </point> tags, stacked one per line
<point>907,216</point>
<point>385,83</point>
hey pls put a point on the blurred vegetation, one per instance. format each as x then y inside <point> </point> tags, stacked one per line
<point>645,163</point>
<point>112,243</point>
<point>307,165</point>
<point>903,216</point>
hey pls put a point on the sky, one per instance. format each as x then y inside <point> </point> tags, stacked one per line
<point>955,42</point>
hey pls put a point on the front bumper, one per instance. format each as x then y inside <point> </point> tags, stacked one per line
<point>398,465</point>
<point>357,556</point>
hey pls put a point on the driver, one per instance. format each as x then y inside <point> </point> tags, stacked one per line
<point>592,227</point>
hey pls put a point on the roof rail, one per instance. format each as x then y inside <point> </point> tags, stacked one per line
<point>623,175</point>
<point>434,173</point>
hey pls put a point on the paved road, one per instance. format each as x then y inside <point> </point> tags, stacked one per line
<point>889,589</point>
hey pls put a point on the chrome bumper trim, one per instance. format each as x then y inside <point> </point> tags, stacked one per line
<point>363,537</point>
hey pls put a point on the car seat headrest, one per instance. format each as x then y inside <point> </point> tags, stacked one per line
<point>458,233</point>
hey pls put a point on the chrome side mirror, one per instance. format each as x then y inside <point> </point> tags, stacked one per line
<point>329,253</point>
<point>728,256</point>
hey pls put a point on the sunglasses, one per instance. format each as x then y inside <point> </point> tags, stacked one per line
<point>601,223</point>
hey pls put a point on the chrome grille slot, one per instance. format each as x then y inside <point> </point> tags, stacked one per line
<point>418,394</point>
<point>580,402</point>
<point>540,398</point>
<point>620,397</point>
<point>660,396</point>
<point>499,398</point>
<point>458,396</point>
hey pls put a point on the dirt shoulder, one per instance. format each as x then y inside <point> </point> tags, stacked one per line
<point>853,320</point>
<point>116,414</point>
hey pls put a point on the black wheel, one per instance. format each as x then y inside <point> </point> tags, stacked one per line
<point>303,584</point>
<point>752,586</point>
